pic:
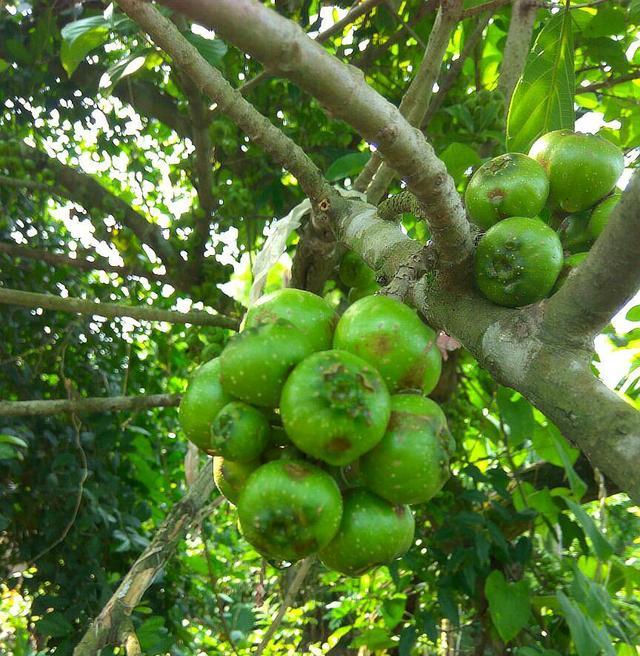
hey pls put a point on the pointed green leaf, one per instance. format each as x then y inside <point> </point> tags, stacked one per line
<point>347,166</point>
<point>543,98</point>
<point>213,50</point>
<point>601,546</point>
<point>509,605</point>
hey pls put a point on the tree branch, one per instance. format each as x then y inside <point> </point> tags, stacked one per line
<point>298,580</point>
<point>345,95</point>
<point>84,190</point>
<point>518,347</point>
<point>609,82</point>
<point>606,280</point>
<point>282,149</point>
<point>129,639</point>
<point>516,49</point>
<point>351,16</point>
<point>111,310</point>
<point>98,263</point>
<point>453,71</point>
<point>106,628</point>
<point>490,6</point>
<point>417,98</point>
<point>92,404</point>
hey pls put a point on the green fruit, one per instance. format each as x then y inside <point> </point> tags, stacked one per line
<point>508,185</point>
<point>410,464</point>
<point>518,261</point>
<point>582,168</point>
<point>335,407</point>
<point>354,272</point>
<point>230,477</point>
<point>372,532</point>
<point>570,263</point>
<point>202,401</point>
<point>257,361</point>
<point>289,509</point>
<point>288,452</point>
<point>601,213</point>
<point>312,315</point>
<point>356,293</point>
<point>573,233</point>
<point>391,337</point>
<point>239,432</point>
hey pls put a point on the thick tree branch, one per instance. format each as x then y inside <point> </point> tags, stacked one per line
<point>282,149</point>
<point>97,263</point>
<point>518,347</point>
<point>417,98</point>
<point>516,49</point>
<point>606,280</point>
<point>93,404</point>
<point>111,310</point>
<point>107,627</point>
<point>345,95</point>
<point>84,190</point>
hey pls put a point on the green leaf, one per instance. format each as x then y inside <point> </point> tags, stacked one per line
<point>12,439</point>
<point>8,452</point>
<point>552,447</point>
<point>392,611</point>
<point>601,546</point>
<point>517,414</point>
<point>459,157</point>
<point>127,66</point>
<point>376,638</point>
<point>79,39</point>
<point>509,605</point>
<point>213,50</point>
<point>54,625</point>
<point>408,639</point>
<point>347,166</point>
<point>543,98</point>
<point>588,639</point>
<point>633,314</point>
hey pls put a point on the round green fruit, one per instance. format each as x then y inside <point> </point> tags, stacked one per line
<point>289,509</point>
<point>202,401</point>
<point>569,265</point>
<point>518,261</point>
<point>239,432</point>
<point>335,406</point>
<point>582,168</point>
<point>601,213</point>
<point>354,272</point>
<point>574,234</point>
<point>257,361</point>
<point>312,315</point>
<point>356,293</point>
<point>410,464</point>
<point>230,477</point>
<point>508,185</point>
<point>391,337</point>
<point>372,532</point>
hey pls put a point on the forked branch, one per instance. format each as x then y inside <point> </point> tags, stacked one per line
<point>342,90</point>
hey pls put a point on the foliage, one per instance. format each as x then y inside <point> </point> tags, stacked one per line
<point>517,554</point>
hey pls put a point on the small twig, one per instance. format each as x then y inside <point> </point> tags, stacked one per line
<point>298,579</point>
<point>110,310</point>
<point>91,404</point>
<point>487,6</point>
<point>609,82</point>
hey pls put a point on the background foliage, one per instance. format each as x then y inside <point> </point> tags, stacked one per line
<point>524,552</point>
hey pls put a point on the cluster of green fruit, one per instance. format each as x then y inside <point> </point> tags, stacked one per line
<point>535,207</point>
<point>321,430</point>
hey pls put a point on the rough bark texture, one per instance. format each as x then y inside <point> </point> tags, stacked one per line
<point>107,627</point>
<point>110,310</point>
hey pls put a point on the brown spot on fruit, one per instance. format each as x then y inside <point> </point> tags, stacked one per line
<point>296,470</point>
<point>338,445</point>
<point>399,511</point>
